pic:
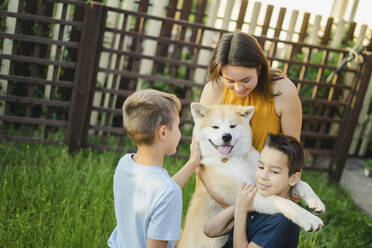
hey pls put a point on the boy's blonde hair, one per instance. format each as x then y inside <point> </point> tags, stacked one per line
<point>145,110</point>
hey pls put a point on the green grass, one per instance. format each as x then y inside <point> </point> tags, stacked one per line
<point>49,198</point>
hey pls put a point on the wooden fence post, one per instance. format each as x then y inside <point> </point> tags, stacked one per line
<point>351,120</point>
<point>85,76</point>
<point>10,24</point>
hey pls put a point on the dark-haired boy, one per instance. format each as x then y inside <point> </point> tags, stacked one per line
<point>279,169</point>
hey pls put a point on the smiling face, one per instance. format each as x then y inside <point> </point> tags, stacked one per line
<point>242,80</point>
<point>222,128</point>
<point>272,174</point>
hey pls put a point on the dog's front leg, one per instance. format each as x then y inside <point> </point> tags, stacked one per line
<point>305,192</point>
<point>275,204</point>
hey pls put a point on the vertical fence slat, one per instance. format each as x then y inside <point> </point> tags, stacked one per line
<point>339,33</point>
<point>227,15</point>
<point>266,24</point>
<point>32,50</point>
<point>12,67</point>
<point>327,32</point>
<point>303,30</point>
<point>353,10</point>
<point>85,77</point>
<point>254,17</point>
<point>153,28</point>
<point>314,33</point>
<point>53,71</point>
<point>199,16</point>
<point>291,29</point>
<point>361,35</point>
<point>10,24</point>
<point>278,29</point>
<point>165,32</point>
<point>363,131</point>
<point>350,33</point>
<point>181,31</point>
<point>206,40</point>
<point>279,23</point>
<point>243,10</point>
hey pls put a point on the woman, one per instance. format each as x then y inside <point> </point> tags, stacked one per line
<point>240,74</point>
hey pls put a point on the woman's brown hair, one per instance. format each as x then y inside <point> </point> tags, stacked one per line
<point>242,49</point>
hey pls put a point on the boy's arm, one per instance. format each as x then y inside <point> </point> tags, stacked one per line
<point>186,171</point>
<point>220,224</point>
<point>244,204</point>
<point>152,243</point>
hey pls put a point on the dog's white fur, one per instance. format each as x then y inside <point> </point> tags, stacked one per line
<point>225,177</point>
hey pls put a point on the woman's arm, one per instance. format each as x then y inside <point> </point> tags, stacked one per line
<point>220,224</point>
<point>288,107</point>
<point>200,173</point>
<point>212,93</point>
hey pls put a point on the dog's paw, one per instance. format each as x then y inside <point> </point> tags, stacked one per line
<point>310,223</point>
<point>316,205</point>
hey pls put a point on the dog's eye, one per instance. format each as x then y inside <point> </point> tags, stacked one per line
<point>232,126</point>
<point>215,127</point>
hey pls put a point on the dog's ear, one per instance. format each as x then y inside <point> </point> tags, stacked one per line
<point>246,111</point>
<point>198,110</point>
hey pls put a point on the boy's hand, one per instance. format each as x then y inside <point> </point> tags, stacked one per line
<point>244,198</point>
<point>195,152</point>
<point>186,171</point>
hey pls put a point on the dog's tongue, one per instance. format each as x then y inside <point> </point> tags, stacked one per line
<point>224,149</point>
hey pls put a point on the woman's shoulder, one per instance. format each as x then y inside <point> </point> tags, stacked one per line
<point>284,87</point>
<point>212,93</point>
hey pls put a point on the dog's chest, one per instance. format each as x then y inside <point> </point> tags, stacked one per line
<point>236,169</point>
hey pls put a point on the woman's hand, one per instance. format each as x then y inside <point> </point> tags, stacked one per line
<point>244,199</point>
<point>201,174</point>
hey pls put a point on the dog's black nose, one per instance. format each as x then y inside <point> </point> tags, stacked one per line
<point>226,137</point>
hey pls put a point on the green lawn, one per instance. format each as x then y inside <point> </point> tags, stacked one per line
<point>49,198</point>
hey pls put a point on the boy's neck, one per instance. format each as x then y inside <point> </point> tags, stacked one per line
<point>149,156</point>
<point>286,195</point>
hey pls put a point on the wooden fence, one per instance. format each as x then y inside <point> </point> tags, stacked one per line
<point>252,17</point>
<point>53,82</point>
<point>260,20</point>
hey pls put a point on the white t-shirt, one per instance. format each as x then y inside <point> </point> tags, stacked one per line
<point>148,204</point>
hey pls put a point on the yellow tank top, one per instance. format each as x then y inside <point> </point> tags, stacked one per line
<point>264,120</point>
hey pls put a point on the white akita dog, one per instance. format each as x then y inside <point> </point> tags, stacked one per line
<point>229,159</point>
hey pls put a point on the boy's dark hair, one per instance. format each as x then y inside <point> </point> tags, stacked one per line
<point>290,147</point>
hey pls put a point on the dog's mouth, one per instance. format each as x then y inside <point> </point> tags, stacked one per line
<point>223,149</point>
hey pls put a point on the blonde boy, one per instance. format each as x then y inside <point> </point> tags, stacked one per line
<point>148,202</point>
<point>279,169</point>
